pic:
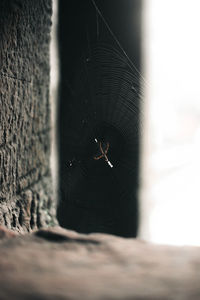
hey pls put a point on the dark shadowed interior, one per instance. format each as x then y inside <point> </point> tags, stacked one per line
<point>99,113</point>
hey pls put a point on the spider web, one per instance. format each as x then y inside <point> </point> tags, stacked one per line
<point>104,108</point>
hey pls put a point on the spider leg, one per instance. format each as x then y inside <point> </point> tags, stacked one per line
<point>98,157</point>
<point>107,148</point>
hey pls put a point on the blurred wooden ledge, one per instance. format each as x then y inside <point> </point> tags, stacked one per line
<point>60,264</point>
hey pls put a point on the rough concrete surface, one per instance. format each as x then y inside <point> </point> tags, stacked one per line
<point>25,180</point>
<point>62,264</point>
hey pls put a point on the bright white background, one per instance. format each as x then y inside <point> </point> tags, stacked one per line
<point>170,167</point>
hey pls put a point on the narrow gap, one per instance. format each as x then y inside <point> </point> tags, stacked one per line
<point>99,183</point>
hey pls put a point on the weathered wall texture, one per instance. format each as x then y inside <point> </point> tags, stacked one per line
<point>25,181</point>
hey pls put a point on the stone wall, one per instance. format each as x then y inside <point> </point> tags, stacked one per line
<point>25,179</point>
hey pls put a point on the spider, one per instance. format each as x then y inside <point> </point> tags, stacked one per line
<point>103,153</point>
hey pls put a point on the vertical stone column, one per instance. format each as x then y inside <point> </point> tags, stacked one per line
<point>25,180</point>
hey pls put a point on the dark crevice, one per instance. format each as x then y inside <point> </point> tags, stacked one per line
<point>100,96</point>
<point>5,220</point>
<point>56,237</point>
<point>14,221</point>
<point>32,212</point>
<point>39,225</point>
<point>21,217</point>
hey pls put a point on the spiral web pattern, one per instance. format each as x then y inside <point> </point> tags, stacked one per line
<point>102,122</point>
